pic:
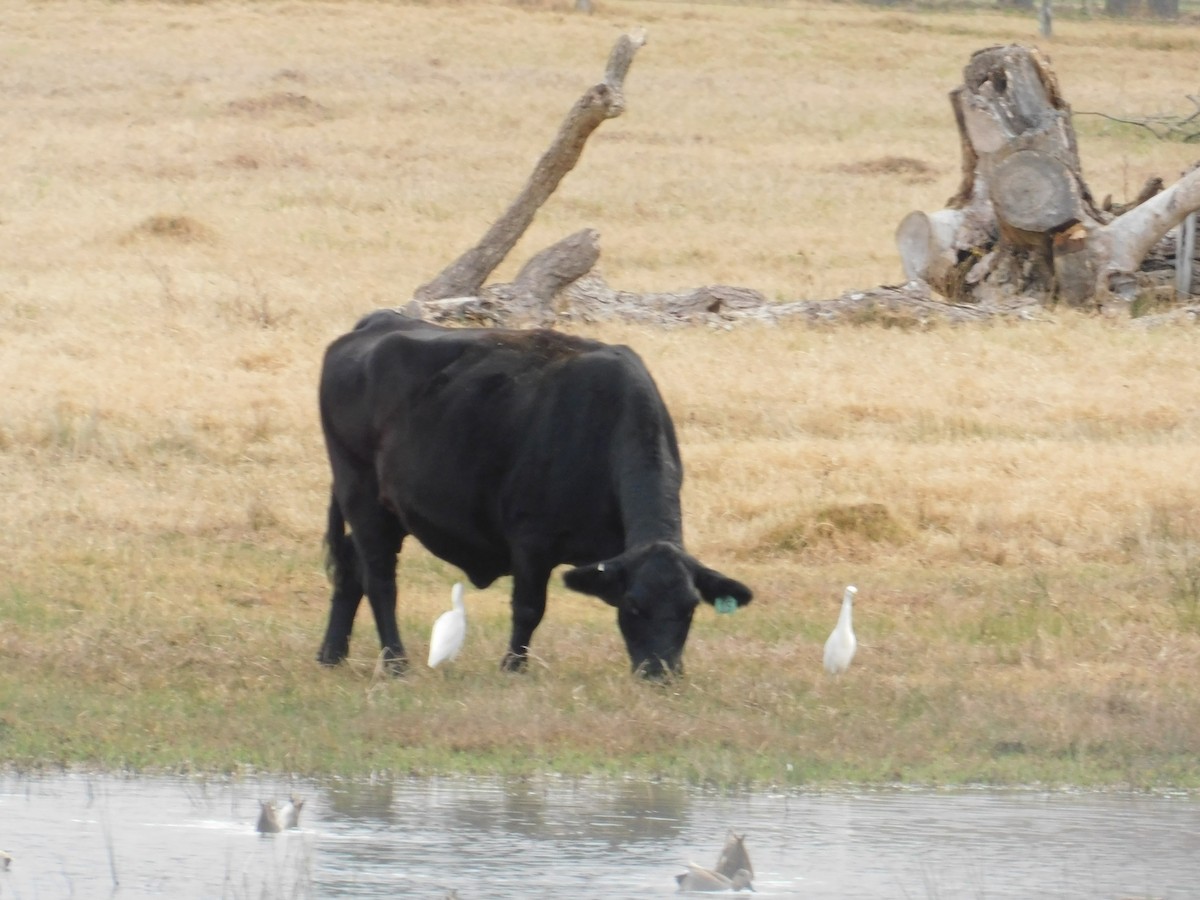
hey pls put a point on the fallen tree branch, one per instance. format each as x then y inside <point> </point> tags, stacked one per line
<point>1136,122</point>
<point>1164,128</point>
<point>551,270</point>
<point>1153,186</point>
<point>602,101</point>
<point>1130,237</point>
<point>590,299</point>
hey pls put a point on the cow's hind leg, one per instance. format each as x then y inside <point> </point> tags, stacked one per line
<point>375,536</point>
<point>528,606</point>
<point>379,553</point>
<point>343,568</point>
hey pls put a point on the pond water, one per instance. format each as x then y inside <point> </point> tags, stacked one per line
<point>102,836</point>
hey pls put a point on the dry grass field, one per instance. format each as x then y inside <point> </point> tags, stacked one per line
<point>198,197</point>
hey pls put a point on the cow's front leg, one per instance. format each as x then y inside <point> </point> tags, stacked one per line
<point>528,607</point>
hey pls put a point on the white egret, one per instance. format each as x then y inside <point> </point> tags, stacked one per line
<point>449,630</point>
<point>840,647</point>
<point>698,878</point>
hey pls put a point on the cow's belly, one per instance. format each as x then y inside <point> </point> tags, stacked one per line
<point>450,523</point>
<point>478,519</point>
<point>482,559</point>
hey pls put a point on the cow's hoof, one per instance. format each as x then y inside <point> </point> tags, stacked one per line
<point>655,672</point>
<point>330,658</point>
<point>395,664</point>
<point>514,663</point>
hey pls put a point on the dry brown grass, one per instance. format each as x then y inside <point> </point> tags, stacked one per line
<point>182,231</point>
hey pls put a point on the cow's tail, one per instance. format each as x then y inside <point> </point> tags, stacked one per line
<point>339,549</point>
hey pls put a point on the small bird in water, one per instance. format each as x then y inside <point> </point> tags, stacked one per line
<point>5,861</point>
<point>449,630</point>
<point>698,878</point>
<point>289,816</point>
<point>734,856</point>
<point>840,647</point>
<point>268,818</point>
<point>273,819</point>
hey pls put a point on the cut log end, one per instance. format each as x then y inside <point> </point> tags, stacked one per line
<point>1035,192</point>
<point>926,244</point>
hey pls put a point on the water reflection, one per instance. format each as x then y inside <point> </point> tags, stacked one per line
<point>131,838</point>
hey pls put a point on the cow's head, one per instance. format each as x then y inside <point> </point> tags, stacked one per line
<point>656,589</point>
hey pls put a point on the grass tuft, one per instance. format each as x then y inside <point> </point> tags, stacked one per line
<point>183,229</point>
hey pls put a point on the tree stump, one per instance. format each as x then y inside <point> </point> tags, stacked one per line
<point>1023,221</point>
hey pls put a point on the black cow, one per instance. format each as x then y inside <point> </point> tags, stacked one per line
<point>507,452</point>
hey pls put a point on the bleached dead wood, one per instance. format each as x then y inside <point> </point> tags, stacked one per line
<point>1021,194</point>
<point>1185,253</point>
<point>590,299</point>
<point>1023,221</point>
<point>605,100</point>
<point>1127,239</point>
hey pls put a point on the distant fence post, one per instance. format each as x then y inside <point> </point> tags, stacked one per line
<point>1185,252</point>
<point>1045,19</point>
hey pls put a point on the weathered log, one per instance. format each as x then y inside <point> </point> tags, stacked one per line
<point>927,244</point>
<point>1125,241</point>
<point>529,299</point>
<point>590,299</point>
<point>605,100</point>
<point>1153,185</point>
<point>1185,256</point>
<point>908,305</point>
<point>549,271</point>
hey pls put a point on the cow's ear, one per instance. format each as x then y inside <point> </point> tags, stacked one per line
<point>714,586</point>
<point>605,580</point>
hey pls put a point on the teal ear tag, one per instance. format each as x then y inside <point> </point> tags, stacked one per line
<point>725,605</point>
